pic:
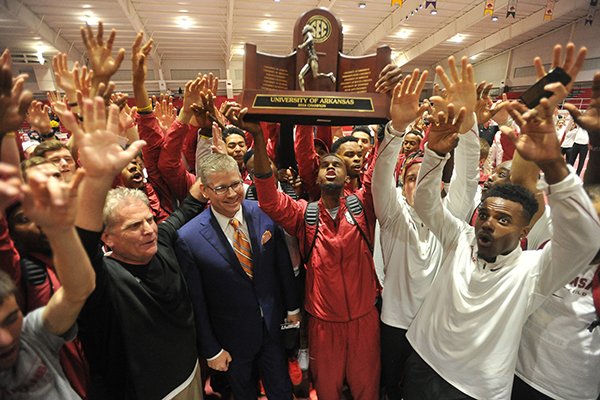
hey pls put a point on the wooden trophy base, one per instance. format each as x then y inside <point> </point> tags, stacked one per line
<point>316,107</point>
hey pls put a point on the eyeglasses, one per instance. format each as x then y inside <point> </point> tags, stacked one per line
<point>222,189</point>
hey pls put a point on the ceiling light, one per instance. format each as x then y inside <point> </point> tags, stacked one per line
<point>433,12</point>
<point>494,18</point>
<point>86,6</point>
<point>362,5</point>
<point>240,51</point>
<point>185,22</point>
<point>90,19</point>
<point>183,11</point>
<point>457,38</point>
<point>268,25</point>
<point>403,33</point>
<point>276,1</point>
<point>36,38</point>
<point>40,55</point>
<point>474,57</point>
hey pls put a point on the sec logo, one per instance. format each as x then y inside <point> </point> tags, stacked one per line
<point>322,28</point>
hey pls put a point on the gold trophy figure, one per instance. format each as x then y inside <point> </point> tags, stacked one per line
<point>313,59</point>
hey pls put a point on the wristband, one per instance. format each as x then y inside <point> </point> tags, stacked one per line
<point>73,104</point>
<point>263,176</point>
<point>146,109</point>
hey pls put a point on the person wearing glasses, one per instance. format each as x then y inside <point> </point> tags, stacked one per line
<point>241,283</point>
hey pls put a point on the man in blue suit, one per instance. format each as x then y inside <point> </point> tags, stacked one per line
<point>241,283</point>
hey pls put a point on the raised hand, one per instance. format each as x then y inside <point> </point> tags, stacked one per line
<point>590,119</point>
<point>484,109</point>
<point>100,54</point>
<point>139,53</point>
<point>191,96</point>
<point>235,113</point>
<point>38,117</point>
<point>443,136</point>
<point>62,111</point>
<point>83,82</point>
<point>218,144</point>
<point>404,107</point>
<point>537,140</point>
<point>14,101</point>
<point>572,65</point>
<point>10,185</point>
<point>389,76</point>
<point>98,141</point>
<point>165,111</point>
<point>51,203</point>
<point>462,90</point>
<point>65,78</point>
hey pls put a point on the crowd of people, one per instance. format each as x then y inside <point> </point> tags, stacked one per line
<point>150,252</point>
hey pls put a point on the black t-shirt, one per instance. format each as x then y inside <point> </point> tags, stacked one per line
<point>137,327</point>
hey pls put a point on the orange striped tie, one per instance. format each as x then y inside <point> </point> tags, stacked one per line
<point>242,249</point>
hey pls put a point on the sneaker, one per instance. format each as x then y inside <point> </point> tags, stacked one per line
<point>303,359</point>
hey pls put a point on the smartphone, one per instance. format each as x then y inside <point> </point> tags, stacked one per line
<point>535,93</point>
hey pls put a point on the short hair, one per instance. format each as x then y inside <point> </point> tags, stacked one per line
<point>249,154</point>
<point>233,130</point>
<point>32,162</point>
<point>336,156</point>
<point>344,139</point>
<point>484,148</point>
<point>7,287</point>
<point>364,129</point>
<point>216,163</point>
<point>117,198</point>
<point>48,145</point>
<point>416,133</point>
<point>515,193</point>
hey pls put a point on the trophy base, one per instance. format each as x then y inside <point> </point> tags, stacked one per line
<point>315,107</point>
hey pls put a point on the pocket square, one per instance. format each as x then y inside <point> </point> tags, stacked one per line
<point>266,237</point>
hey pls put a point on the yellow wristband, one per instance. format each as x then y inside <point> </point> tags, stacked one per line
<point>146,109</point>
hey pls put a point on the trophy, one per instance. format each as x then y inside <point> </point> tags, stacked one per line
<point>316,84</point>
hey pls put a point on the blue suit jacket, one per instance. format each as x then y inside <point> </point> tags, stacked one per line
<point>227,303</point>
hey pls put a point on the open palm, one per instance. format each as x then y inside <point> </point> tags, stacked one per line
<point>98,141</point>
<point>404,107</point>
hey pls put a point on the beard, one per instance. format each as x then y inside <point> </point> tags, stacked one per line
<point>331,188</point>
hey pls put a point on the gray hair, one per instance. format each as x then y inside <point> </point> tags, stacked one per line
<point>216,162</point>
<point>7,287</point>
<point>117,198</point>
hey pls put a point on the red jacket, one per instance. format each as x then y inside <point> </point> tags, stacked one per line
<point>340,280</point>
<point>189,147</point>
<point>150,131</point>
<point>307,160</point>
<point>170,162</point>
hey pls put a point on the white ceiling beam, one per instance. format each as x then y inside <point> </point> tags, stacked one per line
<point>138,25</point>
<point>229,33</point>
<point>390,24</point>
<point>520,27</point>
<point>326,3</point>
<point>460,24</point>
<point>19,11</point>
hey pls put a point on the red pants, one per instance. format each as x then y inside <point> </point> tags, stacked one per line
<point>348,350</point>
